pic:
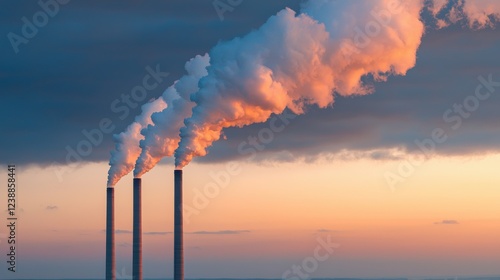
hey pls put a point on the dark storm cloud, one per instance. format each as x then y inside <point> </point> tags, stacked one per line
<point>90,53</point>
<point>65,78</point>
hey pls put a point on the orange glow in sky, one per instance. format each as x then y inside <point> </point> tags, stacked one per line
<point>446,212</point>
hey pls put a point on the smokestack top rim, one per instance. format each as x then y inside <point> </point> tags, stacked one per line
<point>177,171</point>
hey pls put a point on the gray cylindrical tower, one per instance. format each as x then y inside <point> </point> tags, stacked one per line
<point>178,227</point>
<point>137,232</point>
<point>110,234</point>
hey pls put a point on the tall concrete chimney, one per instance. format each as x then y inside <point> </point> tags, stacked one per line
<point>178,228</point>
<point>110,234</point>
<point>137,233</point>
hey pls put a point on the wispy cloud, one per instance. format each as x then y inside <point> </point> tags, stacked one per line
<point>157,232</point>
<point>221,232</point>
<point>321,230</point>
<point>447,222</point>
<point>51,207</point>
<point>123,231</point>
<point>124,244</point>
<point>119,231</point>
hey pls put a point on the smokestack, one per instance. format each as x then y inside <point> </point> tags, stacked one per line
<point>178,228</point>
<point>137,233</point>
<point>110,234</point>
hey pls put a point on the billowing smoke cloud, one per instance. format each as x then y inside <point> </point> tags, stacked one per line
<point>482,13</point>
<point>292,61</point>
<point>127,143</point>
<point>174,106</point>
<point>298,60</point>
<point>477,14</point>
<point>162,138</point>
<point>436,7</point>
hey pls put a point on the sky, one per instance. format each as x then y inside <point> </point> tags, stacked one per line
<point>398,187</point>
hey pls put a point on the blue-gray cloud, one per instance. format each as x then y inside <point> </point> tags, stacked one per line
<point>66,78</point>
<point>91,53</point>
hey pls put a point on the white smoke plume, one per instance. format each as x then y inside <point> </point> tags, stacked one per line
<point>127,144</point>
<point>477,14</point>
<point>482,13</point>
<point>162,138</point>
<point>294,61</point>
<point>298,60</point>
<point>435,8</point>
<point>127,148</point>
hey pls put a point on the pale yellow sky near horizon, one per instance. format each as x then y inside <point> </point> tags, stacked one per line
<point>276,211</point>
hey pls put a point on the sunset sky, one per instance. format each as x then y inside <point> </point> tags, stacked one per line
<point>405,183</point>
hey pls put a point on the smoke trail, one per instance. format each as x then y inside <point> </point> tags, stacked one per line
<point>298,60</point>
<point>162,138</point>
<point>127,143</point>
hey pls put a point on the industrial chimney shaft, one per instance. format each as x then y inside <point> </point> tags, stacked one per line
<point>178,227</point>
<point>110,234</point>
<point>137,232</point>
